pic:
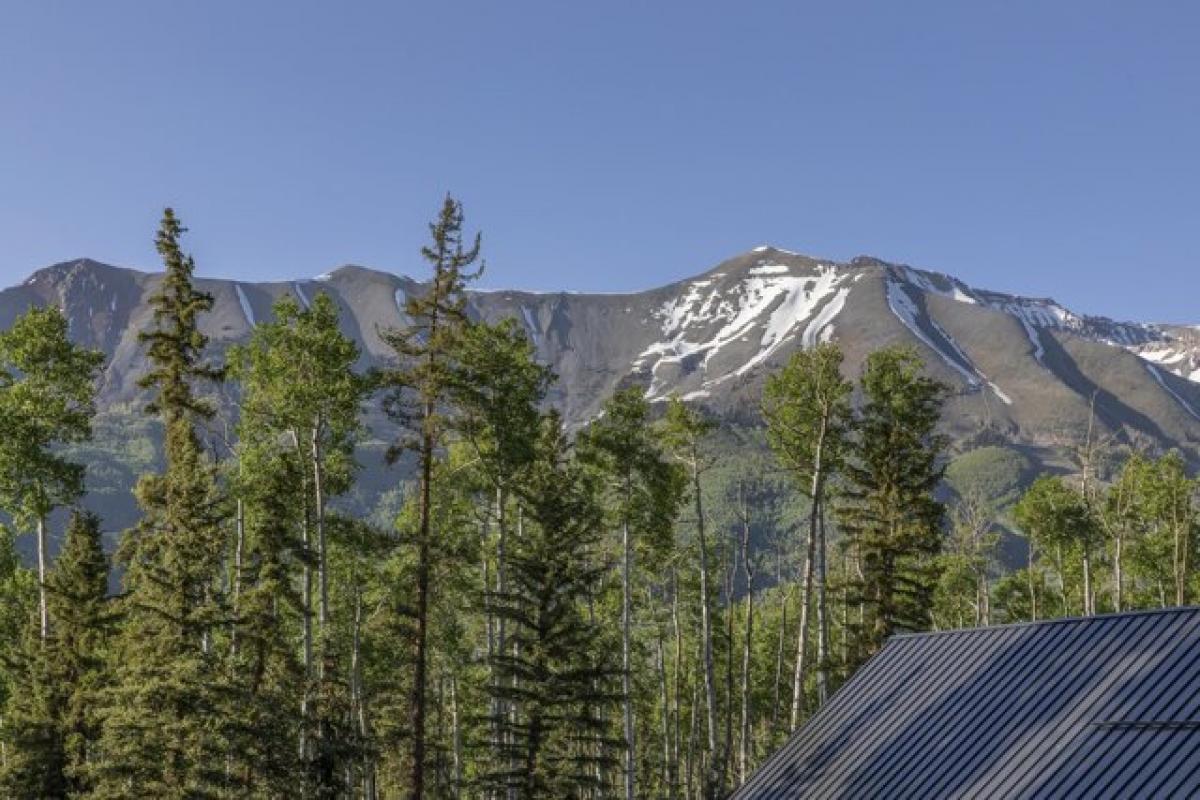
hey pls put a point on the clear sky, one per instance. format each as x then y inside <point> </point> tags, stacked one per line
<point>1048,148</point>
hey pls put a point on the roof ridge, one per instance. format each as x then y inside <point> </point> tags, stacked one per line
<point>1141,612</point>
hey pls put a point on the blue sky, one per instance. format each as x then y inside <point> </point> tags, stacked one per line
<point>1042,147</point>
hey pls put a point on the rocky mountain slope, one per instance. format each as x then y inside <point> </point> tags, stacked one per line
<point>1023,369</point>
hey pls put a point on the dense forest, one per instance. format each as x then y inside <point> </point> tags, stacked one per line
<point>636,608</point>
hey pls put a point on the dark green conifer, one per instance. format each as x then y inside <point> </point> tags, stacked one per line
<point>889,514</point>
<point>418,390</point>
<point>166,726</point>
<point>50,721</point>
<point>557,679</point>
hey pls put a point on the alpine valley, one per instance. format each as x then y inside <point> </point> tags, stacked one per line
<point>1027,374</point>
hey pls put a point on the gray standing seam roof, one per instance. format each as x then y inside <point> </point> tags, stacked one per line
<point>1092,707</point>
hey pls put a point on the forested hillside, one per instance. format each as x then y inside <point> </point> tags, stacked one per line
<point>637,588</point>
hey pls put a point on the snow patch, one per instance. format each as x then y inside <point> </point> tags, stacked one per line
<point>906,311</point>
<point>1035,339</point>
<point>1184,363</point>
<point>300,294</point>
<point>999,393</point>
<point>1162,382</point>
<point>923,282</point>
<point>962,297</point>
<point>245,304</point>
<point>821,326</point>
<point>531,324</point>
<point>771,269</point>
<point>1165,356</point>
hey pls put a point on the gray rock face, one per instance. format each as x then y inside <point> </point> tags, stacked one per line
<point>1027,369</point>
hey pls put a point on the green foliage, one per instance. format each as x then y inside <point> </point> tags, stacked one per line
<point>167,717</point>
<point>47,399</point>
<point>643,489</point>
<point>175,345</point>
<point>1054,515</point>
<point>557,681</point>
<point>50,721</point>
<point>417,391</point>
<point>497,386</point>
<point>889,515</point>
<point>297,378</point>
<point>807,409</point>
<point>995,474</point>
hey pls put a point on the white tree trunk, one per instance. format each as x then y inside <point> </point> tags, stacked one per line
<point>43,609</point>
<point>706,637</point>
<point>626,665</point>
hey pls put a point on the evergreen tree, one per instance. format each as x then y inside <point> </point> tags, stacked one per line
<point>418,391</point>
<point>18,603</point>
<point>47,399</point>
<point>166,724</point>
<point>266,673</point>
<point>50,721</point>
<point>889,513</point>
<point>557,678</point>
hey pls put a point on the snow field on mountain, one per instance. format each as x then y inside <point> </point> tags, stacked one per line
<point>707,318</point>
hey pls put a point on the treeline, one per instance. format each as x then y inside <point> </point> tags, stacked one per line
<point>624,610</point>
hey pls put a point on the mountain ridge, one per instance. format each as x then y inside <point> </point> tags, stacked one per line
<point>1028,368</point>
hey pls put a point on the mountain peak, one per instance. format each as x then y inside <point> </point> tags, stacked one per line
<point>65,270</point>
<point>869,261</point>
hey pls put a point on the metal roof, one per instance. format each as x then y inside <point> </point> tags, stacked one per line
<point>1093,707</point>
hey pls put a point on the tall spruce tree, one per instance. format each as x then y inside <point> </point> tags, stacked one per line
<point>50,721</point>
<point>47,399</point>
<point>418,390</point>
<point>889,513</point>
<point>558,677</point>
<point>166,725</point>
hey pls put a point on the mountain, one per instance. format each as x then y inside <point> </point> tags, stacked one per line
<point>1024,371</point>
